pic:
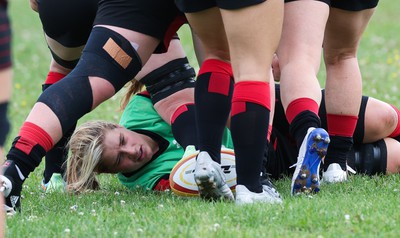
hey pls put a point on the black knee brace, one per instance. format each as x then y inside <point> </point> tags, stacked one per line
<point>110,56</point>
<point>169,78</point>
<point>107,55</point>
<point>370,159</point>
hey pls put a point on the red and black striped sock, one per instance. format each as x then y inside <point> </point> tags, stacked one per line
<point>52,78</point>
<point>29,147</point>
<point>341,129</point>
<point>249,127</point>
<point>302,114</point>
<point>183,125</point>
<point>213,94</point>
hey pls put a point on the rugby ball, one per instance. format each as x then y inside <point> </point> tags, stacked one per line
<point>181,178</point>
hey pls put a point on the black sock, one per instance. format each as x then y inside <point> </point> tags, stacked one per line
<point>212,111</point>
<point>56,157</point>
<point>338,150</point>
<point>27,163</point>
<point>184,126</point>
<point>301,123</point>
<point>249,130</point>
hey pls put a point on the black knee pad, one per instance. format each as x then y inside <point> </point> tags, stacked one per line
<point>370,159</point>
<point>107,55</point>
<point>169,78</point>
<point>69,99</point>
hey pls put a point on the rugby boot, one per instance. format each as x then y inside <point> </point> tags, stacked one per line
<point>312,150</point>
<point>210,179</point>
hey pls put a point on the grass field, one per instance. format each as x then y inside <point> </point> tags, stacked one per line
<point>362,207</point>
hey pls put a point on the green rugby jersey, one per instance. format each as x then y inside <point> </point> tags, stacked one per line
<point>140,116</point>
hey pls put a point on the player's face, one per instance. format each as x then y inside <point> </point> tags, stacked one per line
<point>126,151</point>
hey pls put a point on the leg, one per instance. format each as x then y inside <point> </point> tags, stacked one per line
<point>251,65</point>
<point>66,38</point>
<point>113,55</point>
<point>381,121</point>
<point>170,81</point>
<point>342,36</point>
<point>46,123</point>
<point>299,54</point>
<point>213,93</point>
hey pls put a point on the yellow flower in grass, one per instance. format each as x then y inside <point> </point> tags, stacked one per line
<point>23,103</point>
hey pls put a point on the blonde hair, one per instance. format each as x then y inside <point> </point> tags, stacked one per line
<point>134,86</point>
<point>86,149</point>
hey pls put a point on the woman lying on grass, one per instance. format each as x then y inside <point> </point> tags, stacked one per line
<point>143,151</point>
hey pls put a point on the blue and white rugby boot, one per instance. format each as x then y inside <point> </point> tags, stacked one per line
<point>313,149</point>
<point>210,179</point>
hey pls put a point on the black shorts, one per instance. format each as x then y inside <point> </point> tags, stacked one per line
<point>68,22</point>
<point>5,38</point>
<point>157,18</point>
<point>348,5</point>
<point>189,6</point>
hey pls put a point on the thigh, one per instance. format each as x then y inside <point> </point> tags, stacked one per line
<point>344,30</point>
<point>207,25</point>
<point>167,106</point>
<point>253,33</point>
<point>155,18</point>
<point>67,25</point>
<point>68,22</point>
<point>303,32</point>
<point>148,25</point>
<point>380,120</point>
